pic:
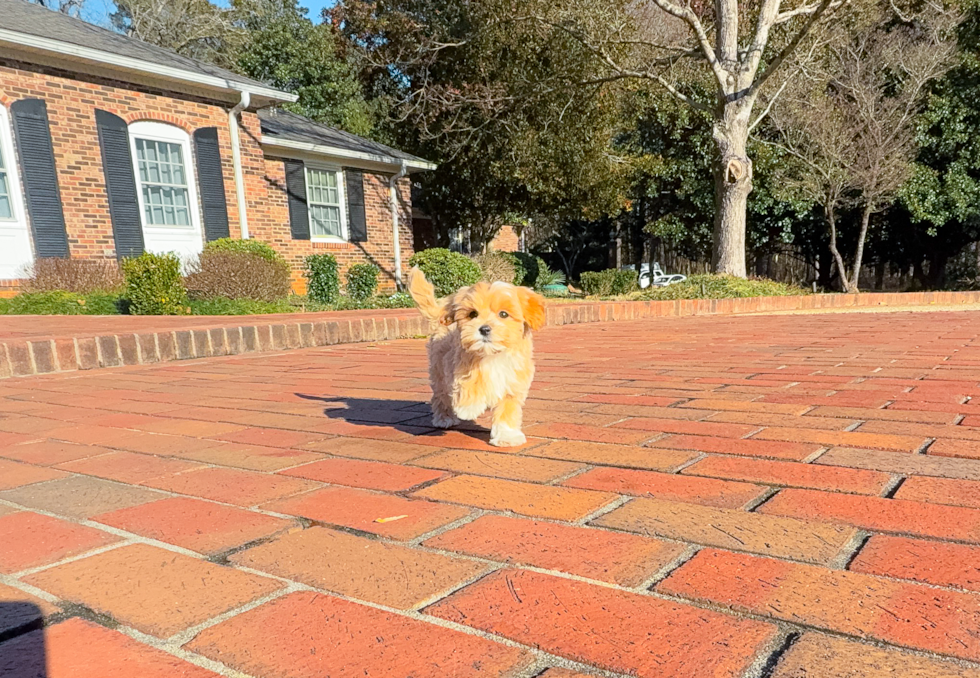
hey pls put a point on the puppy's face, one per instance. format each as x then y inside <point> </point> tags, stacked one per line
<point>495,317</point>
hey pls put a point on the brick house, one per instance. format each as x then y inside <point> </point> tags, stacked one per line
<point>425,235</point>
<point>110,147</point>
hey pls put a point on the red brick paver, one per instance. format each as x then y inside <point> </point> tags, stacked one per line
<point>614,630</point>
<point>905,614</point>
<point>307,635</point>
<point>734,497</point>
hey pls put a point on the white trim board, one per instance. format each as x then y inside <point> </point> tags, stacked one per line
<point>343,154</point>
<point>130,64</point>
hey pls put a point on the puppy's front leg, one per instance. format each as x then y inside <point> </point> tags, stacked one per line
<point>442,411</point>
<point>469,401</point>
<point>507,418</point>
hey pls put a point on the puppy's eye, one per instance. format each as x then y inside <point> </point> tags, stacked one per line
<point>473,314</point>
<point>504,314</point>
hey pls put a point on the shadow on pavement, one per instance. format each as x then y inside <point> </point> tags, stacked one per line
<point>22,652</point>
<point>407,416</point>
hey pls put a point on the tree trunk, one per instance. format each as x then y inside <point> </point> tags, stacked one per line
<point>733,184</point>
<point>838,259</point>
<point>880,275</point>
<point>937,269</point>
<point>859,252</point>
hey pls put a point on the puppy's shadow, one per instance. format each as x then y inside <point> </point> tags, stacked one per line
<point>22,652</point>
<point>407,416</point>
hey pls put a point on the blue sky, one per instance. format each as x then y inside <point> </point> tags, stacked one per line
<point>98,11</point>
<point>316,7</point>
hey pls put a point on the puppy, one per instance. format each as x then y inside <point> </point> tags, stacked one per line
<point>480,353</point>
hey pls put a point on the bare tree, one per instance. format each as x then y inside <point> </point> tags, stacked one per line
<point>70,7</point>
<point>738,46</point>
<point>194,28</point>
<point>853,129</point>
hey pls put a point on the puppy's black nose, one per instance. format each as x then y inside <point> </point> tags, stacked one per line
<point>485,330</point>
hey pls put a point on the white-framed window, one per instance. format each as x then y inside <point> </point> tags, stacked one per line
<point>11,203</point>
<point>164,176</point>
<point>16,244</point>
<point>325,201</point>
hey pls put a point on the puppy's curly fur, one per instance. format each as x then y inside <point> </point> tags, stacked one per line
<point>480,353</point>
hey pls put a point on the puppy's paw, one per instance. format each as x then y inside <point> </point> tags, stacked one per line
<point>469,412</point>
<point>507,437</point>
<point>444,420</point>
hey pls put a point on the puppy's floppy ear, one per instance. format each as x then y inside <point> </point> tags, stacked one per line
<point>448,315</point>
<point>532,305</point>
<point>450,305</point>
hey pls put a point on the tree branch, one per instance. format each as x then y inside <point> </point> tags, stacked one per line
<point>687,15</point>
<point>774,65</point>
<point>768,108</point>
<point>783,17</point>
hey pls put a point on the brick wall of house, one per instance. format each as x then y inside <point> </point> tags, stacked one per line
<point>71,103</point>
<point>506,240</point>
<point>271,223</point>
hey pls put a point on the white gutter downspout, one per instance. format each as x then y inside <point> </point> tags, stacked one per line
<point>393,190</point>
<point>236,157</point>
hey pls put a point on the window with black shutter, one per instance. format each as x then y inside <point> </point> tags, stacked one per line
<point>120,182</point>
<point>40,177</point>
<point>210,179</point>
<point>356,218</point>
<point>299,216</point>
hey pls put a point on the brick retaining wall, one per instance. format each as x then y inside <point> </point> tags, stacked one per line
<point>86,342</point>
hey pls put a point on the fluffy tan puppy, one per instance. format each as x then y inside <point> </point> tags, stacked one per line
<point>480,353</point>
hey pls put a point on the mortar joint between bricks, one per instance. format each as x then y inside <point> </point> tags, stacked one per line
<point>753,504</point>
<point>768,659</point>
<point>473,515</point>
<point>668,568</point>
<point>813,456</point>
<point>892,486</point>
<point>924,448</point>
<point>849,551</point>
<point>603,510</point>
<point>571,474</point>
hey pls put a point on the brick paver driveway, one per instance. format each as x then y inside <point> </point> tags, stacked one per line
<point>788,496</point>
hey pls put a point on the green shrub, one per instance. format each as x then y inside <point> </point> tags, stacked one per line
<point>547,277</point>
<point>447,271</point>
<point>256,247</point>
<point>528,266</point>
<point>496,266</point>
<point>362,281</point>
<point>322,278</point>
<point>625,281</point>
<point>397,300</point>
<point>154,285</point>
<point>708,286</point>
<point>612,281</point>
<point>596,283</point>
<point>224,306</point>
<point>60,302</point>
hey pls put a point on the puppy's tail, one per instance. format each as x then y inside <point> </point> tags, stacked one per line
<point>424,295</point>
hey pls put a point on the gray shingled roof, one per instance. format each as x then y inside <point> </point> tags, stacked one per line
<point>31,19</point>
<point>282,124</point>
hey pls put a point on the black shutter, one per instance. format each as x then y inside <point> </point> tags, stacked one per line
<point>120,184</point>
<point>299,215</point>
<point>210,179</point>
<point>40,178</point>
<point>356,221</point>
